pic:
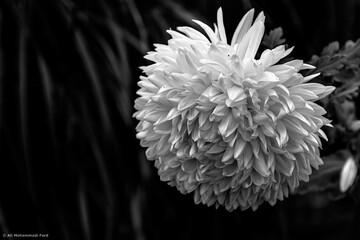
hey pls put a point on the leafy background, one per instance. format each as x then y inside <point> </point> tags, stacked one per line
<point>70,163</point>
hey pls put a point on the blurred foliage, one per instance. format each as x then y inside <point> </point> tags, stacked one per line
<point>340,68</point>
<point>71,165</point>
<point>274,38</point>
<point>66,118</point>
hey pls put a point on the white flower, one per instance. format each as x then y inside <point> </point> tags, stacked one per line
<point>233,129</point>
<point>348,174</point>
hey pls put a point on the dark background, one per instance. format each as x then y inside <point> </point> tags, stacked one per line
<point>70,163</point>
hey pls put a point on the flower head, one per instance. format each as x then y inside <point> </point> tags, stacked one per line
<point>233,129</point>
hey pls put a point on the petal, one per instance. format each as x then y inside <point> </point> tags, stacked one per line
<point>185,63</point>
<point>192,33</point>
<point>189,165</point>
<point>224,124</point>
<point>304,93</point>
<point>268,130</point>
<point>308,78</point>
<point>257,179</point>
<point>230,170</point>
<point>221,25</point>
<point>215,149</point>
<point>284,165</point>
<point>283,136</point>
<point>348,174</point>
<point>208,30</point>
<point>319,89</point>
<point>236,94</point>
<point>239,147</point>
<point>322,134</point>
<point>251,41</point>
<point>307,66</point>
<point>242,27</point>
<point>248,156</point>
<point>299,116</point>
<point>229,154</point>
<point>175,34</point>
<point>283,72</point>
<point>261,167</point>
<point>210,92</point>
<point>187,102</point>
<point>295,126</point>
<point>297,64</point>
<point>270,57</point>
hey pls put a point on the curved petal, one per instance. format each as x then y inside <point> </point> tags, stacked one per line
<point>208,30</point>
<point>192,33</point>
<point>250,43</point>
<point>221,27</point>
<point>242,27</point>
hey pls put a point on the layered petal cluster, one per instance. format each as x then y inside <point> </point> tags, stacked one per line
<point>234,130</point>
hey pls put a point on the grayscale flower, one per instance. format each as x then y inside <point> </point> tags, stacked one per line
<point>234,130</point>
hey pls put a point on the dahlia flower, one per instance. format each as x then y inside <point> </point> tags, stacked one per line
<point>234,130</point>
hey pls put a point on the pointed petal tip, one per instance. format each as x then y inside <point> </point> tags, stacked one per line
<point>331,88</point>
<point>243,27</point>
<point>251,10</point>
<point>208,30</point>
<point>260,17</point>
<point>307,66</point>
<point>289,50</point>
<point>220,22</point>
<point>308,78</point>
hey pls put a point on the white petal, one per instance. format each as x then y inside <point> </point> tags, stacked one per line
<point>260,17</point>
<point>283,72</point>
<point>305,94</point>
<point>175,34</point>
<point>185,63</point>
<point>224,124</point>
<point>270,57</point>
<point>208,30</point>
<point>187,102</point>
<point>250,43</point>
<point>300,117</point>
<point>210,92</point>
<point>260,167</point>
<point>229,153</point>
<point>348,174</point>
<point>235,92</point>
<point>284,165</point>
<point>307,66</point>
<point>297,64</point>
<point>239,147</point>
<point>283,136</point>
<point>319,89</point>
<point>243,27</point>
<point>308,78</point>
<point>220,21</point>
<point>323,135</point>
<point>268,77</point>
<point>215,149</point>
<point>192,33</point>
